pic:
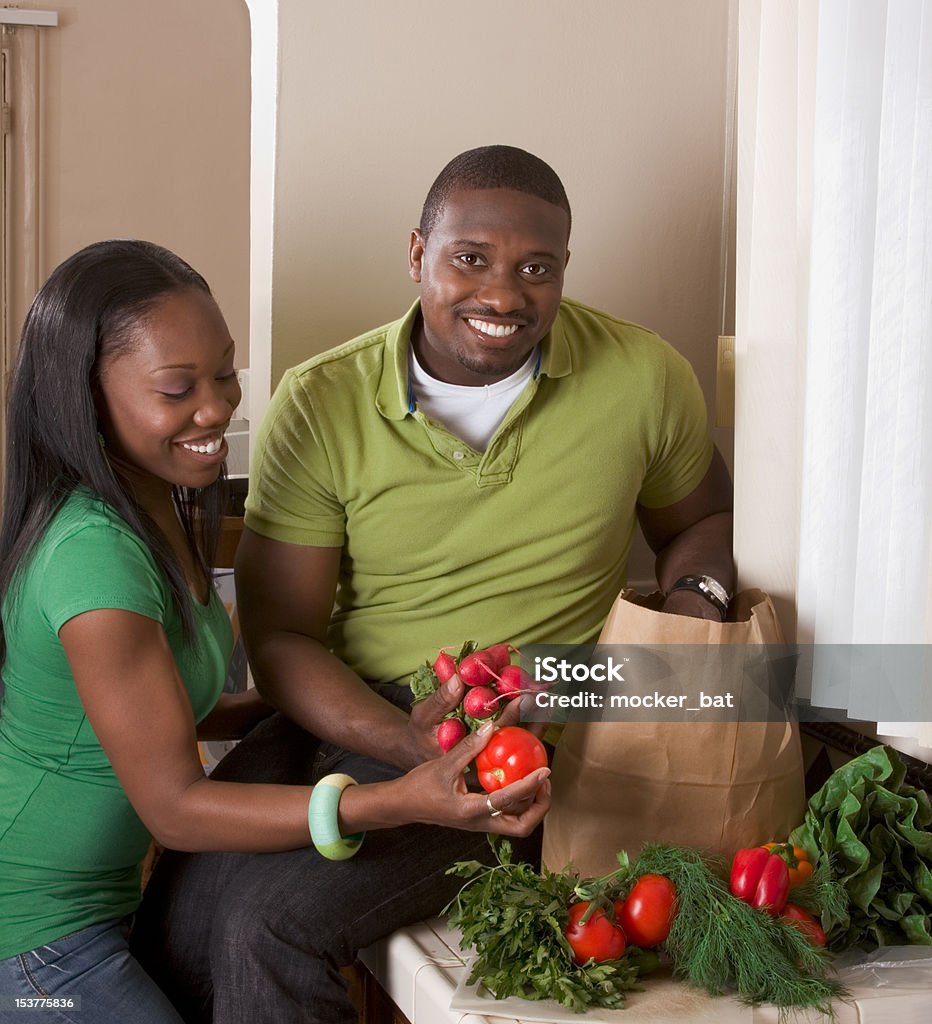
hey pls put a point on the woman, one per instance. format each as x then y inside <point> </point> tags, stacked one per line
<point>114,645</point>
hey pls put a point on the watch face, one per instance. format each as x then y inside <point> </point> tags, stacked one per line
<point>715,588</point>
<point>708,587</point>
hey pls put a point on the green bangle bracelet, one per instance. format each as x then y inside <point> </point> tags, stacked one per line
<point>323,819</point>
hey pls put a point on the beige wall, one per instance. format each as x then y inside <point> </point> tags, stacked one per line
<point>625,98</point>
<point>147,135</point>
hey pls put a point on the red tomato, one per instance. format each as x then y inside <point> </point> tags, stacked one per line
<point>598,939</point>
<point>805,922</point>
<point>509,755</point>
<point>647,913</point>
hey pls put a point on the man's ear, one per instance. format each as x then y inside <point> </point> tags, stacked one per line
<point>415,255</point>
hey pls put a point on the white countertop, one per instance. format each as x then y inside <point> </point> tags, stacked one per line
<point>424,971</point>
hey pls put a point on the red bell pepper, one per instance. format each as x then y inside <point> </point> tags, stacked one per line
<point>807,923</point>
<point>760,878</point>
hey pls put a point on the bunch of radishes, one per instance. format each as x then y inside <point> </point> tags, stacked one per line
<point>491,681</point>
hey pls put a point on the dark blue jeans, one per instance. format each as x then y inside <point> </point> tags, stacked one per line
<point>260,938</point>
<point>87,977</point>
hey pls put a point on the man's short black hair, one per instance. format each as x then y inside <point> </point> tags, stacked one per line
<point>493,167</point>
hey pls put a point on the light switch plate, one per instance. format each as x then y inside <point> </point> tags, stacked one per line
<point>725,382</point>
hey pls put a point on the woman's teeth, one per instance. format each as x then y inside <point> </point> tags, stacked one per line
<point>493,330</point>
<point>211,448</point>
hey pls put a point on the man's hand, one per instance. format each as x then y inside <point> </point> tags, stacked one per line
<point>427,714</point>
<point>688,602</point>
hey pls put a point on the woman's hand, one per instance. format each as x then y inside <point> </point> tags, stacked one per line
<point>435,793</point>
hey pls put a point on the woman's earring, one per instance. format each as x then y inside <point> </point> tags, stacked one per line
<point>101,440</point>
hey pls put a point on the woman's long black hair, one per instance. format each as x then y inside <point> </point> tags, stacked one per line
<point>86,311</point>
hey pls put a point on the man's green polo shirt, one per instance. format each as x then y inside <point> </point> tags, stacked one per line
<point>526,542</point>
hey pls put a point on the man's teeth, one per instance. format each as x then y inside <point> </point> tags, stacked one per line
<point>211,448</point>
<point>493,330</point>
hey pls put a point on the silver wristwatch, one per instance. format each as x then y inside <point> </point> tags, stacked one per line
<point>710,589</point>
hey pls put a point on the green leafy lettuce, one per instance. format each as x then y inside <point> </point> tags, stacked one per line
<point>873,828</point>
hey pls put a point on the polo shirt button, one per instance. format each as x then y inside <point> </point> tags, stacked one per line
<point>459,455</point>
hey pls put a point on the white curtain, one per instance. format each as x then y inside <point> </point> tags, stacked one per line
<point>865,553</point>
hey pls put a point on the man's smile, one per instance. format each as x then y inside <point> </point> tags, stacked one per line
<point>492,330</point>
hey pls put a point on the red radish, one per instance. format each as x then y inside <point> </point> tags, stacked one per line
<point>500,655</point>
<point>512,680</point>
<point>450,732</point>
<point>476,669</point>
<point>444,666</point>
<point>480,702</point>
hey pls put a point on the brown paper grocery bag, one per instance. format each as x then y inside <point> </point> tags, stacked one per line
<point>718,786</point>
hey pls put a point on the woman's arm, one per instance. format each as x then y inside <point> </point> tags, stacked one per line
<point>139,709</point>
<point>234,715</point>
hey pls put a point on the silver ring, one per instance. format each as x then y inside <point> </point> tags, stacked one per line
<point>492,811</point>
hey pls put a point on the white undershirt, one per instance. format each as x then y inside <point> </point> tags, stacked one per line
<point>471,413</point>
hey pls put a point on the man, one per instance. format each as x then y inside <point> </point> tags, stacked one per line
<point>474,470</point>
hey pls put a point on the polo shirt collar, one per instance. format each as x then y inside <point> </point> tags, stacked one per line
<point>392,397</point>
<point>556,357</point>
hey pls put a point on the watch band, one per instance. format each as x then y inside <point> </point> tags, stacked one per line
<point>709,588</point>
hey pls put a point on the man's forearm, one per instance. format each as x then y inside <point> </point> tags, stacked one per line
<point>310,685</point>
<point>705,548</point>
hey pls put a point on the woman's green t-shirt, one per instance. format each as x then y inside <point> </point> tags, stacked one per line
<point>70,842</point>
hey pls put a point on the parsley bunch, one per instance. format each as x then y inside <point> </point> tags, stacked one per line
<point>514,916</point>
